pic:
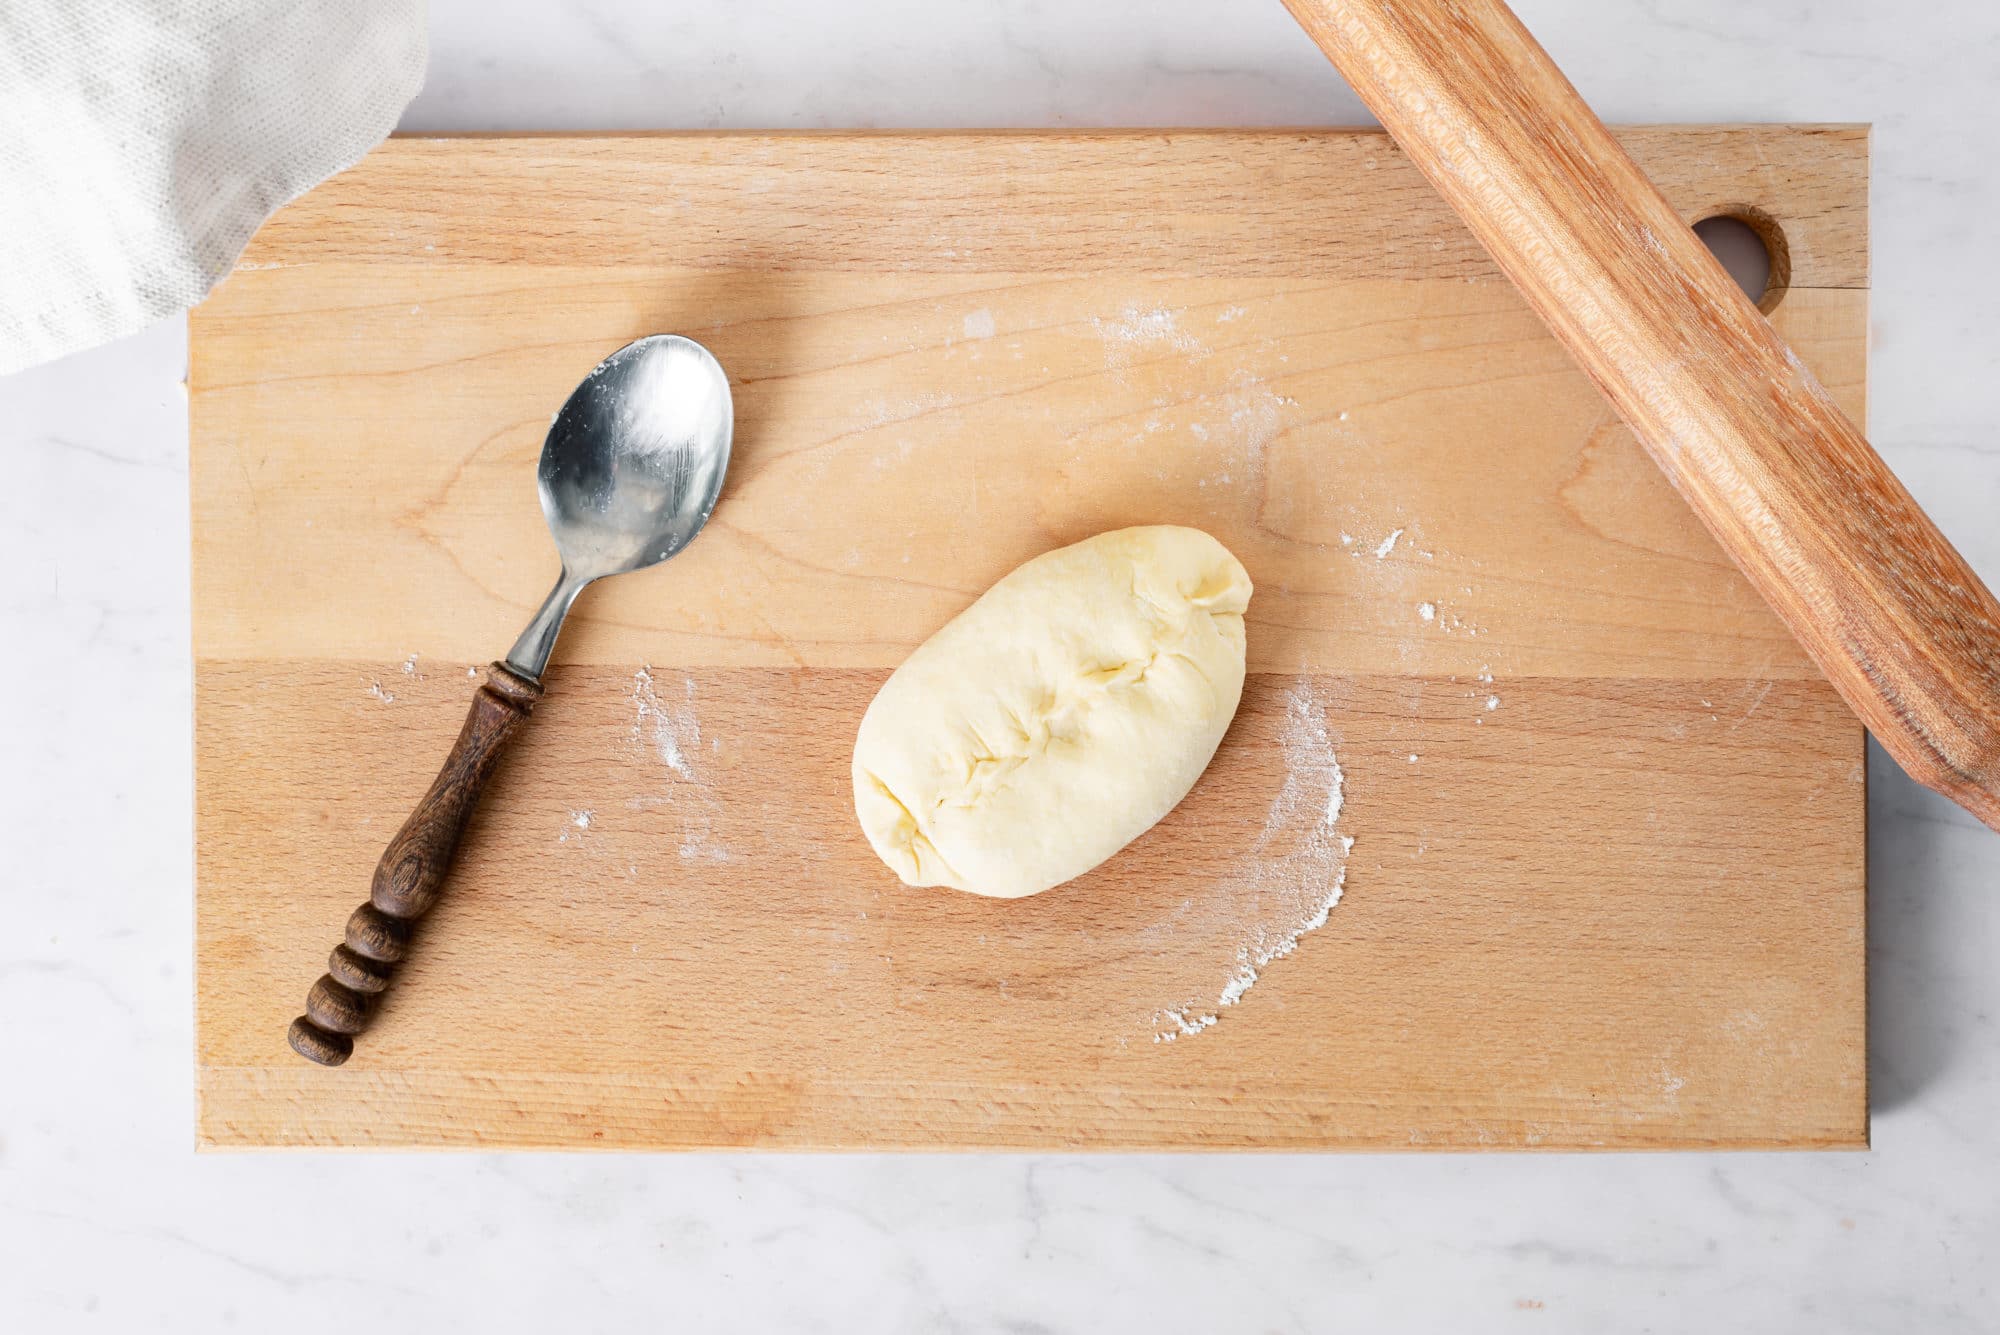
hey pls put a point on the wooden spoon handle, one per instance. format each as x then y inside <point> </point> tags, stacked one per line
<point>411,874</point>
<point>1891,613</point>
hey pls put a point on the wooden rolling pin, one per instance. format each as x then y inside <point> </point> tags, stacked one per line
<point>1892,614</point>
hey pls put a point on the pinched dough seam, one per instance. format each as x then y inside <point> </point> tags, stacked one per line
<point>1033,742</point>
<point>916,830</point>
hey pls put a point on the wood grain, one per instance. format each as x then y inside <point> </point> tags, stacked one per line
<point>1620,907</point>
<point>1784,480</point>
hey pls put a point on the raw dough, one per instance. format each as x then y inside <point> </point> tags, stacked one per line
<point>1059,717</point>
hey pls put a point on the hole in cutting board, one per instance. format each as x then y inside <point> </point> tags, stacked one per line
<point>1751,246</point>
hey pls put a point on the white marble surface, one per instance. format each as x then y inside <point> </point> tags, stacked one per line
<point>108,1220</point>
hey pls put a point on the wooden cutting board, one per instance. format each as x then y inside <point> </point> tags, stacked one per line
<point>1606,879</point>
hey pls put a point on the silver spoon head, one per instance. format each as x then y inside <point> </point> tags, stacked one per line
<point>635,460</point>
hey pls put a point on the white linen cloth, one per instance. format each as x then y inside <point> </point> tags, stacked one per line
<point>143,141</point>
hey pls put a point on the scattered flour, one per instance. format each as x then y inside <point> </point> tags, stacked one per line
<point>1297,867</point>
<point>1671,1085</point>
<point>1388,545</point>
<point>1251,417</point>
<point>980,324</point>
<point>410,666</point>
<point>1184,1022</point>
<point>1135,330</point>
<point>579,821</point>
<point>1428,611</point>
<point>698,845</point>
<point>1452,623</point>
<point>674,730</point>
<point>375,689</point>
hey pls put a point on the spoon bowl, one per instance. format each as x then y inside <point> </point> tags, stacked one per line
<point>635,459</point>
<point>630,472</point>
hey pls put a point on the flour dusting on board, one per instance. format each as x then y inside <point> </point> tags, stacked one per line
<point>673,730</point>
<point>1244,423</point>
<point>1296,870</point>
<point>1137,330</point>
<point>668,730</point>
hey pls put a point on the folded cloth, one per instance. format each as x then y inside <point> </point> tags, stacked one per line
<point>143,141</point>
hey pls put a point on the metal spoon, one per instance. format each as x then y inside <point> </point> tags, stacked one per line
<point>630,472</point>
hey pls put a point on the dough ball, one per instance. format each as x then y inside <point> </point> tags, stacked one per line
<point>1059,717</point>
